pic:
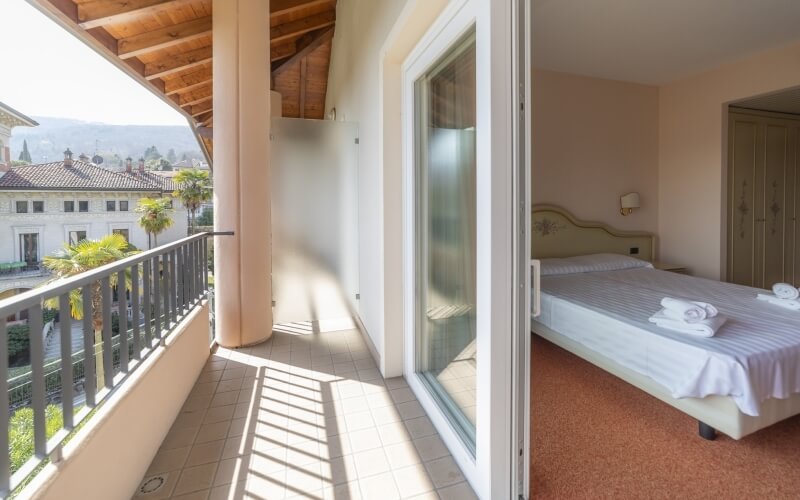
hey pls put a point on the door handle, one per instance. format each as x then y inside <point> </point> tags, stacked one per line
<point>536,281</point>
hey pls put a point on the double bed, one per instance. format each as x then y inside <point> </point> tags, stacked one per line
<point>743,379</point>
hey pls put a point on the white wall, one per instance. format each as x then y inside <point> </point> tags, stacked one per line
<point>594,140</point>
<point>354,90</point>
<point>54,224</point>
<point>692,156</point>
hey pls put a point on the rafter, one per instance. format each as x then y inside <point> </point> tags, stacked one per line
<point>188,82</point>
<point>283,50</point>
<point>305,46</point>
<point>178,63</point>
<point>191,100</point>
<point>205,132</point>
<point>102,12</point>
<point>200,109</point>
<point>281,7</point>
<point>292,29</point>
<point>162,38</point>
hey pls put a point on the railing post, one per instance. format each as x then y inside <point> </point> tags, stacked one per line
<point>65,321</point>
<point>173,296</point>
<point>89,352</point>
<point>181,275</point>
<point>135,312</point>
<point>108,347</point>
<point>122,314</point>
<point>5,460</point>
<point>157,278</point>
<point>37,380</point>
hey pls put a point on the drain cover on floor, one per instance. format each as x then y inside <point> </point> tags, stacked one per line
<point>153,484</point>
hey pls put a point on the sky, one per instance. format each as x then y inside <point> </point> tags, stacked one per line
<point>46,71</point>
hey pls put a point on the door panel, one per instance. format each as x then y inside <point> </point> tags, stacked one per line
<point>742,196</point>
<point>775,162</point>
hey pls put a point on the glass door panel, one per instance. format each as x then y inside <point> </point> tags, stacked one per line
<point>445,226</point>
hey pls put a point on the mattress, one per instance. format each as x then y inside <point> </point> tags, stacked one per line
<point>755,356</point>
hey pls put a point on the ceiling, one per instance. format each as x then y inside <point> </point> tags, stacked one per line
<point>167,46</point>
<point>656,41</point>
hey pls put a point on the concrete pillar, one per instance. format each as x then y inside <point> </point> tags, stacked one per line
<point>242,263</point>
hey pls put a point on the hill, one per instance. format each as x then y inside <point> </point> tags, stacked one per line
<point>114,142</point>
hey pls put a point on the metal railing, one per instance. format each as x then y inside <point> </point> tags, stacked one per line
<point>164,285</point>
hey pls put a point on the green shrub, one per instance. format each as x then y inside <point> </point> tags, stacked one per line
<point>20,433</point>
<point>18,341</point>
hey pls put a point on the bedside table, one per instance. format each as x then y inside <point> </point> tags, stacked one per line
<point>664,266</point>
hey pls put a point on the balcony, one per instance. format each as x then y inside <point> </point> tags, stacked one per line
<point>303,415</point>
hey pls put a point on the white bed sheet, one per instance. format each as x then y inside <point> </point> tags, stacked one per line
<point>755,356</point>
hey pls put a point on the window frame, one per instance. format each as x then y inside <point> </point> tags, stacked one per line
<point>20,203</point>
<point>71,204</point>
<point>112,204</point>
<point>82,202</point>
<point>127,205</point>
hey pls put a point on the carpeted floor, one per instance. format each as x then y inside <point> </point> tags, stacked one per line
<point>595,436</point>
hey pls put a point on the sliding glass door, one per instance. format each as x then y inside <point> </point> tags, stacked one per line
<point>466,243</point>
<point>445,233</point>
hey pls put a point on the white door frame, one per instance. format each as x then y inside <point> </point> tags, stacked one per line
<point>489,471</point>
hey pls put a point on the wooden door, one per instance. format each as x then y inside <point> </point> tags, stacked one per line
<point>743,139</point>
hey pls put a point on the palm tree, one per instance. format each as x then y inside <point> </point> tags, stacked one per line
<point>194,188</point>
<point>85,256</point>
<point>155,217</point>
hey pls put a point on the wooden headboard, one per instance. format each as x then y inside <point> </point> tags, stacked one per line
<point>556,233</point>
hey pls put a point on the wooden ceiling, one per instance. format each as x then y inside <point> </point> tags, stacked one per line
<point>167,46</point>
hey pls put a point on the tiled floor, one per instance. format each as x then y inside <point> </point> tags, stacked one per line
<point>304,415</point>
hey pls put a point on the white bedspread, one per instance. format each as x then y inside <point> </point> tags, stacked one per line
<point>755,356</point>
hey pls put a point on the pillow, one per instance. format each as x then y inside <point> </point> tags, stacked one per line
<point>591,263</point>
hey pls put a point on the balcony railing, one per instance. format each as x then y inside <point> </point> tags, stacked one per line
<point>164,285</point>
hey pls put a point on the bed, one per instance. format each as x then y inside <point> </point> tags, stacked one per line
<point>743,379</point>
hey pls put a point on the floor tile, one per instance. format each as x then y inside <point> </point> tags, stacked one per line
<point>304,415</point>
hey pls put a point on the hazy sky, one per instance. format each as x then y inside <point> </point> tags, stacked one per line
<point>48,72</point>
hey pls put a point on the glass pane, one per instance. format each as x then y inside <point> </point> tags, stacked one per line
<point>314,223</point>
<point>445,233</point>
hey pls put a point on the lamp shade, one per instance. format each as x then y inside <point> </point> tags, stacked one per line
<point>630,200</point>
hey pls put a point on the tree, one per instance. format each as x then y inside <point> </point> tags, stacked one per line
<point>151,153</point>
<point>79,258</point>
<point>164,165</point>
<point>155,217</point>
<point>206,218</point>
<point>25,155</point>
<point>194,189</point>
<point>171,156</point>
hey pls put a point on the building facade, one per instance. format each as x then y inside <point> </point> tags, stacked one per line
<point>44,206</point>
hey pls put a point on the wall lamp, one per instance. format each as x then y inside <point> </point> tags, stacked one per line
<point>628,202</point>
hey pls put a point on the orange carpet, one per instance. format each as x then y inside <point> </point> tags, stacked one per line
<point>595,436</point>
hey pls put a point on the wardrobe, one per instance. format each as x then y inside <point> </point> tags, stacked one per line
<point>763,193</point>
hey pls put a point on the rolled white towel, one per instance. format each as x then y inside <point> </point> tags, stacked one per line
<point>794,305</point>
<point>703,328</point>
<point>684,310</point>
<point>785,291</point>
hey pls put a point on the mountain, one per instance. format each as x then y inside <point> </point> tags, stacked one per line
<point>48,141</point>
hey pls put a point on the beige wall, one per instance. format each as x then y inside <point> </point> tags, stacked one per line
<point>109,456</point>
<point>354,87</point>
<point>692,158</point>
<point>595,140</point>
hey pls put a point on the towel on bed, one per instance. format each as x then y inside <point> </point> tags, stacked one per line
<point>787,303</point>
<point>702,328</point>
<point>785,291</point>
<point>688,311</point>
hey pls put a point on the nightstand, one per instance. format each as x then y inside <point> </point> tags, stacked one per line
<point>664,266</point>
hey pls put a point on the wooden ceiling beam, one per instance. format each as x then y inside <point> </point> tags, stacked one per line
<point>282,50</point>
<point>292,29</point>
<point>102,12</point>
<point>282,7</point>
<point>199,109</point>
<point>192,101</point>
<point>305,47</point>
<point>188,82</point>
<point>163,38</point>
<point>178,63</point>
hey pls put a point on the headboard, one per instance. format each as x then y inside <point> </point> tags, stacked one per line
<point>556,233</point>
